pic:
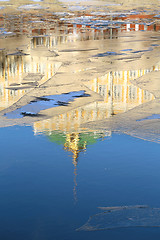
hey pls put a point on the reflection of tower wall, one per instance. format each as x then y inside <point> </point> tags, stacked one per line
<point>119,96</point>
<point>118,92</point>
<point>73,119</point>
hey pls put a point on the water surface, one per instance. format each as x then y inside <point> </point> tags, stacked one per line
<point>38,188</point>
<point>54,173</point>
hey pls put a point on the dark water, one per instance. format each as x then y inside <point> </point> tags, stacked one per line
<point>39,198</point>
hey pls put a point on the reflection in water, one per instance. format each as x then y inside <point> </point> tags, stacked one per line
<point>34,107</point>
<point>75,143</point>
<point>51,30</point>
<point>119,96</point>
<point>48,31</point>
<point>71,145</point>
<point>34,185</point>
<point>118,92</point>
<point>18,75</point>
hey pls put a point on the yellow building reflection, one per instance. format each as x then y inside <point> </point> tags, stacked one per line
<point>119,96</point>
<point>118,92</point>
<point>13,71</point>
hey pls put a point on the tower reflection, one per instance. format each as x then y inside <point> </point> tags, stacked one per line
<point>119,96</point>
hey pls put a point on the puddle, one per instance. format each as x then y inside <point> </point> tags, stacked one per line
<point>45,102</point>
<point>155,45</point>
<point>154,116</point>
<point>41,49</point>
<point>16,64</point>
<point>45,163</point>
<point>123,217</point>
<point>13,84</point>
<point>141,51</point>
<point>108,53</point>
<point>126,50</point>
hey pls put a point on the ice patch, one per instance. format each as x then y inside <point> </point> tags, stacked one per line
<point>123,217</point>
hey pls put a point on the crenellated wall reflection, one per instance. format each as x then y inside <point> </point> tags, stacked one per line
<point>119,96</point>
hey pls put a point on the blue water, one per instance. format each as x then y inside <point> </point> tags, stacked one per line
<point>153,116</point>
<point>43,103</point>
<point>36,183</point>
<point>108,53</point>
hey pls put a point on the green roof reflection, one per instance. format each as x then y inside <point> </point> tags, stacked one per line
<point>81,140</point>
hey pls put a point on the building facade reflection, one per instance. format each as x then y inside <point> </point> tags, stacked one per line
<point>119,96</point>
<point>115,87</point>
<point>51,29</point>
<point>14,69</point>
